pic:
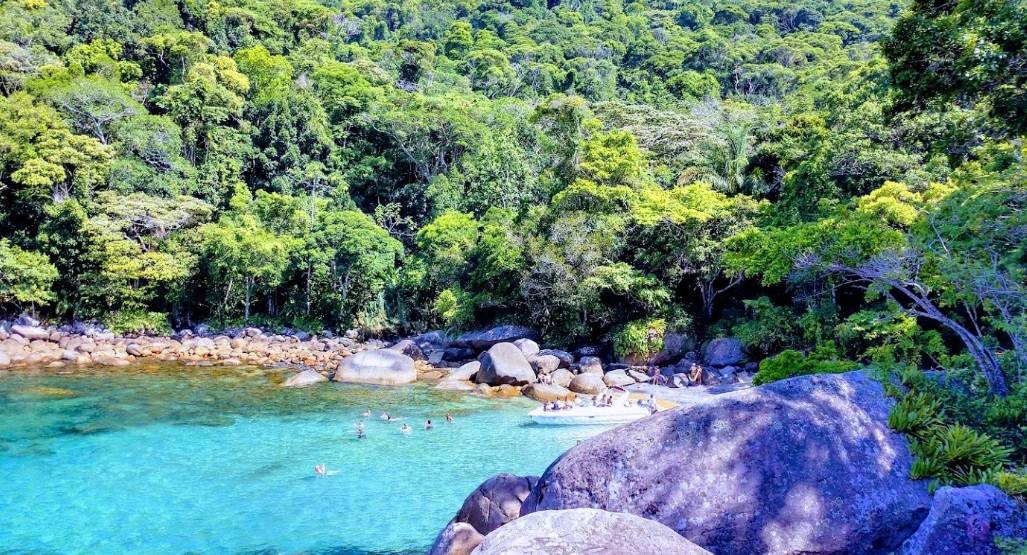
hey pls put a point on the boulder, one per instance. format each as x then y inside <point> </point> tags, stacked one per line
<point>804,465</point>
<point>458,538</point>
<point>679,380</point>
<point>562,377</point>
<point>527,346</point>
<point>408,348</point>
<point>465,372</point>
<point>377,367</point>
<point>544,364</point>
<point>587,351</point>
<point>456,385</point>
<point>5,360</point>
<point>31,332</point>
<point>566,359</point>
<point>585,531</point>
<point>675,346</point>
<point>306,377</point>
<point>618,378</point>
<point>725,351</point>
<point>637,375</point>
<point>590,365</point>
<point>481,340</point>
<point>967,521</point>
<point>588,384</point>
<point>504,363</point>
<point>457,354</point>
<point>545,393</point>
<point>436,339</point>
<point>496,501</point>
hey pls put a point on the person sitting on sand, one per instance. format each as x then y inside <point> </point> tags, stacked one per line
<point>428,424</point>
<point>405,428</point>
<point>449,418</point>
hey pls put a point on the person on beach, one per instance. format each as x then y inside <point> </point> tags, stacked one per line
<point>428,424</point>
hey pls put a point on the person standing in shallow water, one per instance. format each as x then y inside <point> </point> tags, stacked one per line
<point>428,424</point>
<point>449,418</point>
<point>360,430</point>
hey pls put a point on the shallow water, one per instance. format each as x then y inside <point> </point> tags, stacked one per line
<point>176,459</point>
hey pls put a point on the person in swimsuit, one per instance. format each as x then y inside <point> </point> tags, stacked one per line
<point>428,424</point>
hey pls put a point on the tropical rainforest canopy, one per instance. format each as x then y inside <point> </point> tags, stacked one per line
<point>835,180</point>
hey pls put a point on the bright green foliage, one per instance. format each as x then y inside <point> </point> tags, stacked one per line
<point>790,363</point>
<point>26,277</point>
<point>640,340</point>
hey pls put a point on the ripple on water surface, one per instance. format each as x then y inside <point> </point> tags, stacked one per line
<point>176,459</point>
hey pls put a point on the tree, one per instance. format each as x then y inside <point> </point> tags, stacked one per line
<point>26,277</point>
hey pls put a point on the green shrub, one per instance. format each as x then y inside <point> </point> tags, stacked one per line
<point>917,415</point>
<point>138,321</point>
<point>791,363</point>
<point>957,455</point>
<point>640,339</point>
<point>769,327</point>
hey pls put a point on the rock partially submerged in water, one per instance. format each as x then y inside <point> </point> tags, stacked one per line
<point>576,531</point>
<point>496,501</point>
<point>384,366</point>
<point>503,364</point>
<point>304,378</point>
<point>967,521</point>
<point>587,384</point>
<point>805,465</point>
<point>457,538</point>
<point>544,393</point>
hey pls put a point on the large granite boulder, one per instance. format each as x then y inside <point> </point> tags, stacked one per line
<point>527,346</point>
<point>504,363</point>
<point>465,372</point>
<point>724,351</point>
<point>545,393</point>
<point>481,340</point>
<point>804,465</point>
<point>457,538</point>
<point>618,378</point>
<point>562,377</point>
<point>496,501</point>
<point>577,531</point>
<point>544,364</point>
<point>590,365</point>
<point>566,359</point>
<point>383,366</point>
<point>458,354</point>
<point>967,521</point>
<point>31,332</point>
<point>306,377</point>
<point>588,384</point>
<point>675,347</point>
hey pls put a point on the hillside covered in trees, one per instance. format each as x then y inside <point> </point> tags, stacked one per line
<point>834,180</point>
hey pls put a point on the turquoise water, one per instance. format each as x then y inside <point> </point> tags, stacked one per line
<point>176,459</point>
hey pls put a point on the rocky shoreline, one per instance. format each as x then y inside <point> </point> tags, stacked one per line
<point>503,361</point>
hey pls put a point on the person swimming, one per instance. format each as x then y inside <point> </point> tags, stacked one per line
<point>428,424</point>
<point>360,430</point>
<point>405,428</point>
<point>367,413</point>
<point>385,416</point>
<point>449,418</point>
<point>321,469</point>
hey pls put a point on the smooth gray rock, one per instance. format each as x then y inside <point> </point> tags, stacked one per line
<point>585,531</point>
<point>457,354</point>
<point>465,372</point>
<point>504,363</point>
<point>408,348</point>
<point>481,340</point>
<point>588,384</point>
<point>675,347</point>
<point>457,538</point>
<point>804,465</point>
<point>436,339</point>
<point>544,364</point>
<point>966,521</point>
<point>618,378</point>
<point>31,332</point>
<point>527,346</point>
<point>562,377</point>
<point>590,365</point>
<point>495,502</point>
<point>725,351</point>
<point>306,377</point>
<point>377,367</point>
<point>566,359</point>
<point>5,360</point>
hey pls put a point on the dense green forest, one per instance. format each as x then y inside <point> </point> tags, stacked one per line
<point>831,180</point>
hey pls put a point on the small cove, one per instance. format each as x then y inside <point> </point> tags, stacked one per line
<point>181,459</point>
